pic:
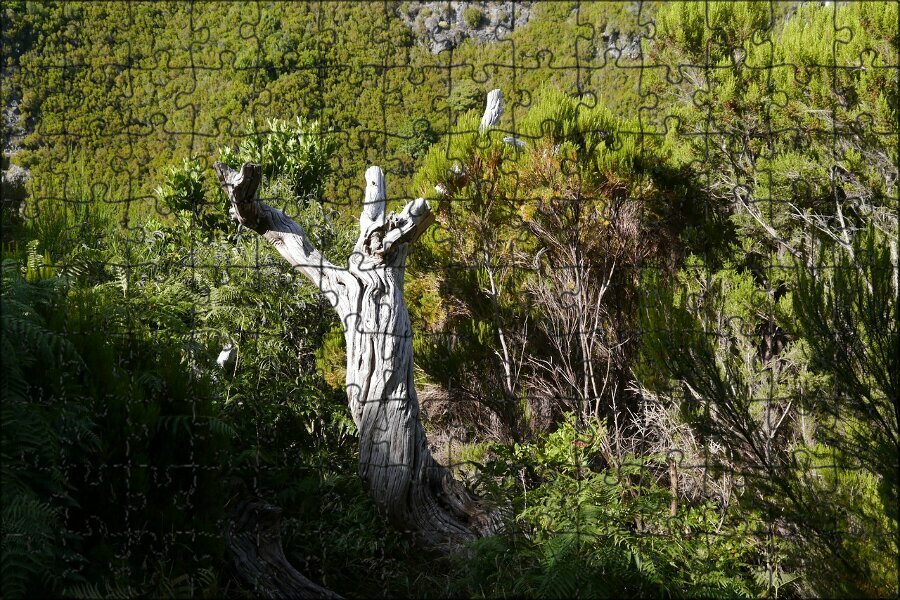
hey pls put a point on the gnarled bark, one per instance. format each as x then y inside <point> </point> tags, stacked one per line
<point>411,488</point>
<point>254,540</point>
<point>493,110</point>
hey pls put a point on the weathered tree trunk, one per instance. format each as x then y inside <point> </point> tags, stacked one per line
<point>254,540</point>
<point>411,488</point>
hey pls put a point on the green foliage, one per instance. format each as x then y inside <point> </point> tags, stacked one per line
<point>708,32</point>
<point>851,343</point>
<point>66,214</point>
<point>465,95</point>
<point>300,153</point>
<point>774,341</point>
<point>580,193</point>
<point>146,331</point>
<point>281,69</point>
<point>737,395</point>
<point>473,16</point>
<point>40,437</point>
<point>755,256</point>
<point>186,585</point>
<point>184,195</point>
<point>115,401</point>
<point>416,138</point>
<point>584,532</point>
<point>852,337</point>
<point>334,531</point>
<point>183,188</point>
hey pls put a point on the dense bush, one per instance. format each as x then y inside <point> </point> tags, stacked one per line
<point>583,531</point>
<point>123,426</point>
<point>473,16</point>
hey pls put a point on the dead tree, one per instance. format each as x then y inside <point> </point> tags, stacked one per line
<point>410,487</point>
<point>254,540</point>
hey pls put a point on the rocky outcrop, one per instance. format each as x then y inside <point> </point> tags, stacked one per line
<point>615,44</point>
<point>13,178</point>
<point>444,25</point>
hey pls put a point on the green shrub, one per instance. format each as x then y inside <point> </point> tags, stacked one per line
<point>465,95</point>
<point>184,195</point>
<point>416,138</point>
<point>473,16</point>
<point>583,532</point>
<point>183,188</point>
<point>94,421</point>
<point>300,152</point>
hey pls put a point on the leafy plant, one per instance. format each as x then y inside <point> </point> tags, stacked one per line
<point>300,152</point>
<point>580,531</point>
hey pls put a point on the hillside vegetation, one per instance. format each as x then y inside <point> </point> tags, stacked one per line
<point>655,322</point>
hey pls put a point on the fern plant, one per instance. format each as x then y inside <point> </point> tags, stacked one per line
<point>40,435</point>
<point>583,532</point>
